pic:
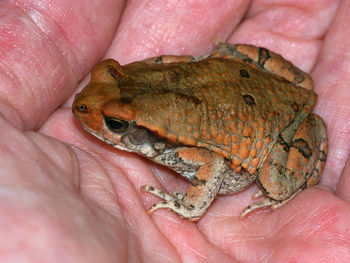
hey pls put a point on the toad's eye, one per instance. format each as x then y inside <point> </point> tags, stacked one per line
<point>116,125</point>
<point>82,108</point>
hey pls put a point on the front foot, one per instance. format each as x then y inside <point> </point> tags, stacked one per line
<point>175,202</point>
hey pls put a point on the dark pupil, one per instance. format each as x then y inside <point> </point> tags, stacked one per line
<point>116,125</point>
<point>82,108</point>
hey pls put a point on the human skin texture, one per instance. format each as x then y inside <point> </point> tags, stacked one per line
<point>67,197</point>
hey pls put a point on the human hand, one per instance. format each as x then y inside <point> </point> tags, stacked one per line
<point>61,203</point>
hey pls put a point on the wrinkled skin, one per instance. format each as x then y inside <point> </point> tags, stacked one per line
<point>64,204</point>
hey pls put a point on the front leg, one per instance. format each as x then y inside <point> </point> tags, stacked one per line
<point>204,184</point>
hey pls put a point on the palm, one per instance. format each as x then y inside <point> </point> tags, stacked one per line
<point>89,207</point>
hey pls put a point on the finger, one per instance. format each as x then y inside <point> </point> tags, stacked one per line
<point>292,28</point>
<point>332,80</point>
<point>46,47</point>
<point>157,27</point>
<point>39,201</point>
<point>343,186</point>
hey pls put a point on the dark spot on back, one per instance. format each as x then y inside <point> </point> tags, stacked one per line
<point>244,73</point>
<point>248,99</point>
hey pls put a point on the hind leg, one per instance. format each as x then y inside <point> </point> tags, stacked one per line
<point>293,164</point>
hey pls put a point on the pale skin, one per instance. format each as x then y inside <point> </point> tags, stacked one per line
<point>68,204</point>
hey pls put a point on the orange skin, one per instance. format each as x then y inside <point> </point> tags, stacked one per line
<point>90,198</point>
